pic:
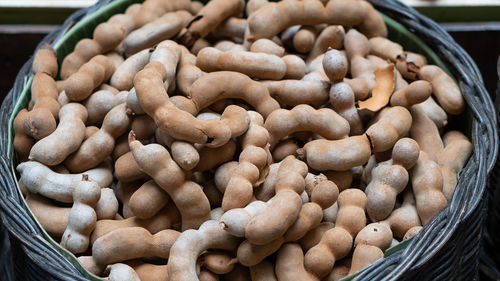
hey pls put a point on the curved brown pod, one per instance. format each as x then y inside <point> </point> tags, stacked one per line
<point>54,149</point>
<point>132,242</point>
<point>191,243</point>
<point>101,144</point>
<point>220,85</point>
<point>338,155</point>
<point>312,12</point>
<point>290,264</point>
<point>92,74</point>
<point>295,92</point>
<point>325,122</point>
<point>209,17</point>
<point>155,160</point>
<point>444,88</point>
<point>255,65</point>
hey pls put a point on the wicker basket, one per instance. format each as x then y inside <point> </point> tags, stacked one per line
<point>446,249</point>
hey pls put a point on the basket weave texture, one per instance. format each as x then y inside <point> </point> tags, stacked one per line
<point>446,249</point>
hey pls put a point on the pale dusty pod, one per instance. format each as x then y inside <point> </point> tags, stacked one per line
<point>91,75</point>
<point>101,102</point>
<point>164,27</point>
<point>116,58</point>
<point>82,218</point>
<point>427,183</point>
<point>342,100</point>
<point>303,40</point>
<point>416,92</point>
<point>155,160</point>
<point>434,111</point>
<point>233,27</point>
<point>168,53</point>
<point>337,155</point>
<point>226,84</point>
<point>191,243</point>
<point>54,219</point>
<point>132,103</point>
<point>101,144</point>
<point>335,65</point>
<point>168,217</point>
<point>385,48</point>
<point>146,201</point>
<point>330,37</point>
<point>404,217</point>
<point>122,79</point>
<point>369,245</point>
<point>127,169</point>
<point>351,218</point>
<point>255,65</point>
<point>107,206</point>
<point>121,272</point>
<point>296,92</point>
<point>325,122</point>
<point>444,89</point>
<point>218,262</point>
<point>106,37</point>
<point>284,148</point>
<point>38,178</point>
<point>148,271</point>
<point>264,271</point>
<point>390,178</point>
<point>289,185</point>
<point>412,232</point>
<point>236,220</point>
<point>452,159</point>
<point>132,242</point>
<point>252,168</point>
<point>340,270</point>
<point>187,72</point>
<point>267,46</point>
<point>424,131</point>
<point>314,235</point>
<point>54,149</point>
<point>226,45</point>
<point>363,14</point>
<point>295,67</point>
<point>324,194</point>
<point>213,14</point>
<point>290,264</point>
<point>254,5</point>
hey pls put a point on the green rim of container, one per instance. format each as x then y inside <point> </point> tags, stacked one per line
<point>85,29</point>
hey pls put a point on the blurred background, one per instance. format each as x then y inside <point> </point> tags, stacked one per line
<point>475,24</point>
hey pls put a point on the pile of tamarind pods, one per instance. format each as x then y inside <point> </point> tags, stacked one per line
<point>186,142</point>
